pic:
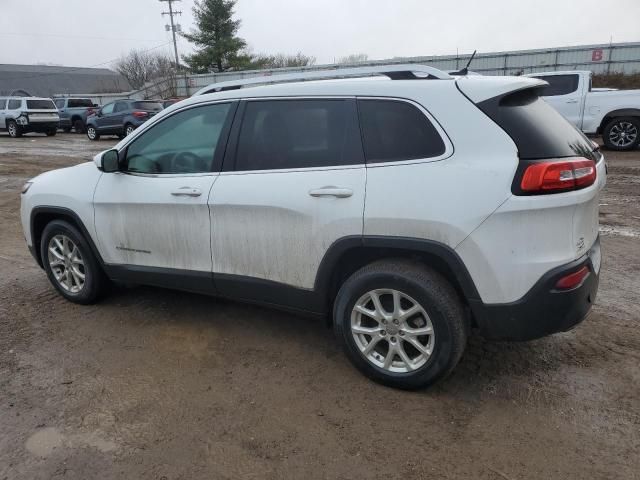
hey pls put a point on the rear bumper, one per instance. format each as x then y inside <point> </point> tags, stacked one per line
<point>40,127</point>
<point>543,310</point>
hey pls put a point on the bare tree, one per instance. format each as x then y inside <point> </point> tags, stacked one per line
<point>280,60</point>
<point>354,58</point>
<point>155,72</point>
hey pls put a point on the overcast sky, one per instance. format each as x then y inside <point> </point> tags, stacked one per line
<point>92,32</point>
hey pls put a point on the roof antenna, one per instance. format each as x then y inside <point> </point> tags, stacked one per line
<point>465,70</point>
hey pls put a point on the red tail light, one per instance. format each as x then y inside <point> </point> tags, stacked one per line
<point>139,114</point>
<point>573,279</point>
<point>558,175</point>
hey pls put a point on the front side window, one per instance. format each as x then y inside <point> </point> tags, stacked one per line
<point>394,131</point>
<point>107,109</point>
<point>559,85</point>
<point>279,134</point>
<point>14,104</point>
<point>185,142</point>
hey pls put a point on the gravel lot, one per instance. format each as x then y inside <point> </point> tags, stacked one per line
<point>155,384</point>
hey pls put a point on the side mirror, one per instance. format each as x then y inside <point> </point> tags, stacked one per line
<point>96,105</point>
<point>108,161</point>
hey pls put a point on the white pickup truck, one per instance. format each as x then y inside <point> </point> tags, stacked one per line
<point>614,114</point>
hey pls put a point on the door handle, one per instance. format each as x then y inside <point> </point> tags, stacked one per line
<point>331,192</point>
<point>573,100</point>
<point>187,192</point>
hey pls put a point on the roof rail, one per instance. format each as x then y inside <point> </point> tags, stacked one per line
<point>394,72</point>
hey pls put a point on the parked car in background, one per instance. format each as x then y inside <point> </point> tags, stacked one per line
<point>614,114</point>
<point>481,210</point>
<point>74,112</point>
<point>19,115</point>
<point>170,101</point>
<point>121,117</point>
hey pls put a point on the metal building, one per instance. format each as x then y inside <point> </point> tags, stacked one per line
<point>602,58</point>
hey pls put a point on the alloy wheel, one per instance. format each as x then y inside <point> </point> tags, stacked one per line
<point>129,130</point>
<point>66,263</point>
<point>623,134</point>
<point>392,330</point>
<point>13,129</point>
<point>91,133</point>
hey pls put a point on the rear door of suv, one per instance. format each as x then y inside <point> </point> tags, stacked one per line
<point>293,182</point>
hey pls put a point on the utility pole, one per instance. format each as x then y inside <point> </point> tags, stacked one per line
<point>173,27</point>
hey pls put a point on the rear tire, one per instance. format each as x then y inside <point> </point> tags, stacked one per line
<point>78,126</point>
<point>92,133</point>
<point>66,129</point>
<point>64,249</point>
<point>51,133</point>
<point>14,129</point>
<point>404,354</point>
<point>622,133</point>
<point>128,129</point>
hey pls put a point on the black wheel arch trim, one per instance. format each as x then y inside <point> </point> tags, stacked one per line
<point>62,212</point>
<point>403,244</point>
<point>621,112</point>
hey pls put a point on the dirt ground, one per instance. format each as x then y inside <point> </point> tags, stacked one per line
<point>155,384</point>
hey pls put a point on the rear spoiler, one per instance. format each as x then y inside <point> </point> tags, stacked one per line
<point>479,88</point>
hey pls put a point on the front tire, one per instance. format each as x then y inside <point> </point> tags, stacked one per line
<point>400,323</point>
<point>622,133</point>
<point>14,129</point>
<point>92,133</point>
<point>70,264</point>
<point>51,133</point>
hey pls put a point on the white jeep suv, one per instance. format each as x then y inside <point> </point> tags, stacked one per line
<point>408,209</point>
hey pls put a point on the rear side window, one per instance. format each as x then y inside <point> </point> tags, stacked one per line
<point>121,107</point>
<point>277,134</point>
<point>536,128</point>
<point>393,131</point>
<point>559,85</point>
<point>3,103</point>
<point>153,106</point>
<point>40,105</point>
<point>14,104</point>
<point>80,102</point>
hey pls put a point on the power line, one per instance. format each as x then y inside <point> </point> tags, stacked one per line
<point>69,70</point>
<point>57,35</point>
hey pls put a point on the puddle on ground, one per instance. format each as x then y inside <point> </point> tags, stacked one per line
<point>45,441</point>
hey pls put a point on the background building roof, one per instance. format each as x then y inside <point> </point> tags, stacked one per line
<point>45,81</point>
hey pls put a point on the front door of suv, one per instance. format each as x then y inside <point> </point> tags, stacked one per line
<point>293,183</point>
<point>153,216</point>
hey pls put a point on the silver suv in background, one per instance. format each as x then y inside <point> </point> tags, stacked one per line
<point>19,115</point>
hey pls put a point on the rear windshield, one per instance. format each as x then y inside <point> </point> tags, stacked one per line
<point>40,105</point>
<point>536,128</point>
<point>80,102</point>
<point>153,106</point>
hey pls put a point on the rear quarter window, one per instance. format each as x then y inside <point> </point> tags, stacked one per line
<point>40,105</point>
<point>537,129</point>
<point>393,130</point>
<point>14,104</point>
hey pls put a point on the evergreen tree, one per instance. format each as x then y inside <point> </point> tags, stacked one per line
<point>219,48</point>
